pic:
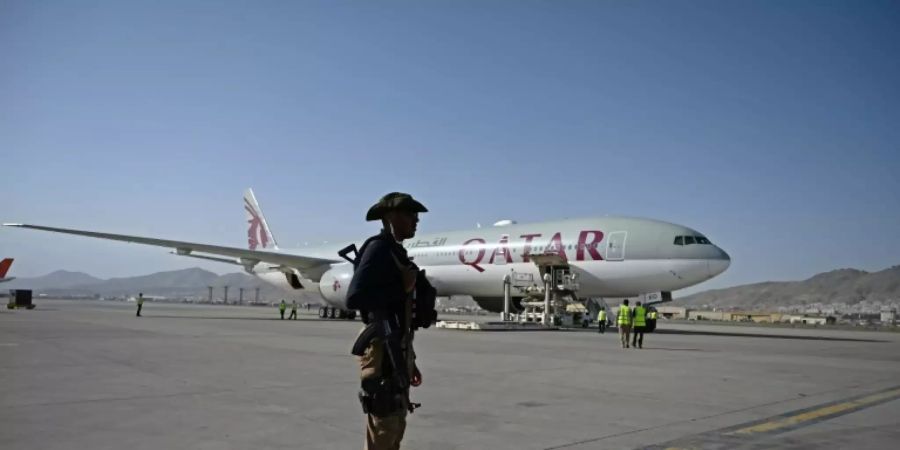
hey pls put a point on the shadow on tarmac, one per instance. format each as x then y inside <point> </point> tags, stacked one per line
<point>671,349</point>
<point>762,335</point>
<point>276,319</point>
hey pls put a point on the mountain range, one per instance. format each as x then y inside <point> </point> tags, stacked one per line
<point>186,283</point>
<point>843,286</point>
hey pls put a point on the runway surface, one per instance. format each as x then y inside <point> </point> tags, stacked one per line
<point>92,375</point>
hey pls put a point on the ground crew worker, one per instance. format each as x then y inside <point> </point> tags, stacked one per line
<point>293,310</point>
<point>651,320</point>
<point>140,303</point>
<point>623,321</point>
<point>281,308</point>
<point>639,322</point>
<point>383,281</point>
<point>601,321</point>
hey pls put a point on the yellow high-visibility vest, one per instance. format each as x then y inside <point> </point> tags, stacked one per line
<point>601,316</point>
<point>624,316</point>
<point>640,316</point>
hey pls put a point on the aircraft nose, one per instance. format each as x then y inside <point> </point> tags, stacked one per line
<point>719,264</point>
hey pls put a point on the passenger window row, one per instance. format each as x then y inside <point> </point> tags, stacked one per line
<point>688,240</point>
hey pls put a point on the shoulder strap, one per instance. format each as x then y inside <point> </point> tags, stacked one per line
<point>363,250</point>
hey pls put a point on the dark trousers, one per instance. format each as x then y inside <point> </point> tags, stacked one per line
<point>293,314</point>
<point>282,314</point>
<point>601,327</point>
<point>638,337</point>
<point>139,310</point>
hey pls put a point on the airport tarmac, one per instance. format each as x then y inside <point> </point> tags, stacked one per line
<point>89,374</point>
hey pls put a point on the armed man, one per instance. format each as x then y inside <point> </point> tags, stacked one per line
<point>394,298</point>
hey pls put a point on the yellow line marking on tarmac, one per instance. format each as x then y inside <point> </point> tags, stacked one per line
<point>815,414</point>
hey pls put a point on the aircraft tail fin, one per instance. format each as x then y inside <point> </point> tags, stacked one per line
<point>259,235</point>
<point>4,266</point>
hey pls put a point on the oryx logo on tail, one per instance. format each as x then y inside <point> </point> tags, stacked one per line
<point>258,233</point>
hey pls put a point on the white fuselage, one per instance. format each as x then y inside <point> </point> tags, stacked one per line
<point>612,256</point>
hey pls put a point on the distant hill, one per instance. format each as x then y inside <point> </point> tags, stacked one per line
<point>847,286</point>
<point>177,283</point>
<point>187,283</point>
<point>58,279</point>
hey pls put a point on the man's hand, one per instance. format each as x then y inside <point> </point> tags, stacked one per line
<point>416,379</point>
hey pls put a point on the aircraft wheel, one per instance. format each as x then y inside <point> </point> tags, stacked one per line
<point>323,312</point>
<point>333,313</point>
<point>351,315</point>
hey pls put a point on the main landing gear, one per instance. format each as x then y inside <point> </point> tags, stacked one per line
<point>326,312</point>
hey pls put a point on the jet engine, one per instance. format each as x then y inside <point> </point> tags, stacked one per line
<point>334,284</point>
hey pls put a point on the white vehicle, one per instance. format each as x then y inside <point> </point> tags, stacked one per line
<point>610,256</point>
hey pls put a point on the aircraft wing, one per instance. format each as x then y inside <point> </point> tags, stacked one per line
<point>245,257</point>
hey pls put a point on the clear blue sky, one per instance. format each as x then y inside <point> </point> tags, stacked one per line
<point>773,127</point>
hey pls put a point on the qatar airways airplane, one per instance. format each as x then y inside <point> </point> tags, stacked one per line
<point>611,256</point>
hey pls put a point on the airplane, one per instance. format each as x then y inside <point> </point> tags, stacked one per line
<point>611,257</point>
<point>4,267</point>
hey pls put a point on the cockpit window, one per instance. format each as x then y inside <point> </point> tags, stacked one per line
<point>688,240</point>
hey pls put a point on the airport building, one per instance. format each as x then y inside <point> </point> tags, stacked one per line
<point>672,312</point>
<point>889,317</point>
<point>754,316</point>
